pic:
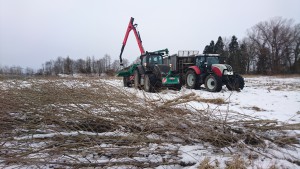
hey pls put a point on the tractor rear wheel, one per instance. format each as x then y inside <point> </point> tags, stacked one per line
<point>213,83</point>
<point>191,79</point>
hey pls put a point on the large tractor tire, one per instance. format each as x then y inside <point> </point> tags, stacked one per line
<point>237,84</point>
<point>149,83</point>
<point>126,81</point>
<point>241,81</point>
<point>213,83</point>
<point>191,79</point>
<point>137,78</point>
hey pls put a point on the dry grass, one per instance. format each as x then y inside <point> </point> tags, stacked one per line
<point>75,122</point>
<point>207,164</point>
<point>236,163</point>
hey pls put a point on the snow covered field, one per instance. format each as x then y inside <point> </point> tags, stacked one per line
<point>263,97</point>
<point>170,129</point>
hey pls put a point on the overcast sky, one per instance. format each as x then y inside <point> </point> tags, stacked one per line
<point>35,31</point>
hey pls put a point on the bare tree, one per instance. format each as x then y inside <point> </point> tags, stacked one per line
<point>59,65</point>
<point>276,36</point>
<point>94,65</point>
<point>29,71</point>
<point>68,66</point>
<point>107,62</point>
<point>116,65</point>
<point>88,65</point>
<point>48,68</point>
<point>80,66</point>
<point>250,54</point>
<point>296,48</point>
<point>99,66</point>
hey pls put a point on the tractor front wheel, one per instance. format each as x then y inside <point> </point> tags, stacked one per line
<point>237,83</point>
<point>137,77</point>
<point>241,81</point>
<point>213,83</point>
<point>191,79</point>
<point>126,81</point>
<point>148,86</point>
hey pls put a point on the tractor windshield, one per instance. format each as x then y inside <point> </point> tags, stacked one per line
<point>212,60</point>
<point>152,59</point>
<point>155,59</point>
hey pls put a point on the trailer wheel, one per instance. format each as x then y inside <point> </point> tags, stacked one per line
<point>137,78</point>
<point>149,86</point>
<point>126,81</point>
<point>191,79</point>
<point>213,83</point>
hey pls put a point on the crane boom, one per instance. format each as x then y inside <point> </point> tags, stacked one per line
<point>130,27</point>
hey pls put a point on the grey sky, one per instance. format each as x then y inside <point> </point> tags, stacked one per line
<point>35,31</point>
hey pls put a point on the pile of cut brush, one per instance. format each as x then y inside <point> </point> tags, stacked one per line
<point>88,123</point>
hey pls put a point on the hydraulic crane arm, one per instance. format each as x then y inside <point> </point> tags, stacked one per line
<point>130,27</point>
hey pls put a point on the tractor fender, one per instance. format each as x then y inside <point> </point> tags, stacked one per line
<point>196,69</point>
<point>216,71</point>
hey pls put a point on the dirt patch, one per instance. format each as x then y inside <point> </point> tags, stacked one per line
<point>255,108</point>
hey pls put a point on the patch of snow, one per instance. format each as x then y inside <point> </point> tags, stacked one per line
<point>74,133</point>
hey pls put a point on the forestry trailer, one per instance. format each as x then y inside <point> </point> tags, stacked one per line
<point>151,73</point>
<point>197,69</point>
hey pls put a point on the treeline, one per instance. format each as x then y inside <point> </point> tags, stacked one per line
<point>270,47</point>
<point>90,65</point>
<point>16,70</point>
<point>68,66</point>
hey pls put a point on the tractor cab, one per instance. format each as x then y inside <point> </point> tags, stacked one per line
<point>205,62</point>
<point>153,62</point>
<point>150,59</point>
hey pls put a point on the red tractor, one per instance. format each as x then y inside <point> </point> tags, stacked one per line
<point>197,69</point>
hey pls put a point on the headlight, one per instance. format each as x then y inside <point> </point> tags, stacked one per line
<point>228,72</point>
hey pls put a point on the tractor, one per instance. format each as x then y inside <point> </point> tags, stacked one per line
<point>151,74</point>
<point>198,69</point>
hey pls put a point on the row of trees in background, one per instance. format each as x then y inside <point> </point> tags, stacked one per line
<point>271,47</point>
<point>61,65</point>
<point>16,70</point>
<point>88,66</point>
